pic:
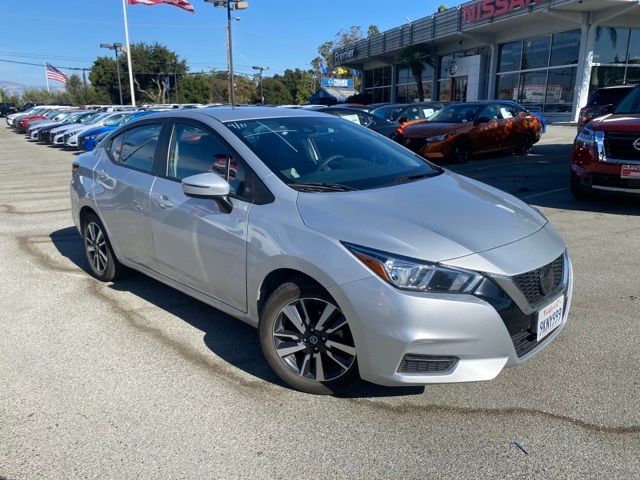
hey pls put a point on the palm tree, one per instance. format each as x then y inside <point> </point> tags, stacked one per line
<point>415,58</point>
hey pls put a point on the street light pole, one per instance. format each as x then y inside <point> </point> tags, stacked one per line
<point>230,5</point>
<point>117,48</point>
<point>260,70</point>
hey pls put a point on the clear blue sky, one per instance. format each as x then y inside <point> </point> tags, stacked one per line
<point>278,33</point>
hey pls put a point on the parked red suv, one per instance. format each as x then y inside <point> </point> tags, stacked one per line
<point>606,153</point>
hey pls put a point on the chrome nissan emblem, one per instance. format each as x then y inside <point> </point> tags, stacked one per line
<point>636,144</point>
<point>547,279</point>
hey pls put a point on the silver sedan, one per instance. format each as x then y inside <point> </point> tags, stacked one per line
<point>352,256</point>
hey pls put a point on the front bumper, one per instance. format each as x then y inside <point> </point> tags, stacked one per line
<point>390,325</point>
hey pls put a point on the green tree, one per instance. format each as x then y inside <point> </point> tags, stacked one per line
<point>195,88</point>
<point>415,58</point>
<point>151,65</point>
<point>276,92</point>
<point>300,83</point>
<point>75,91</point>
<point>373,31</point>
<point>442,8</point>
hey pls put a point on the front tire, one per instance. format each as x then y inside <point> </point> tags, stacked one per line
<point>580,192</point>
<point>525,144</point>
<point>461,152</point>
<point>103,263</point>
<point>307,340</point>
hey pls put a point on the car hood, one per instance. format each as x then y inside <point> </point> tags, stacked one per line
<point>617,123</point>
<point>429,129</point>
<point>435,219</point>
<point>63,128</point>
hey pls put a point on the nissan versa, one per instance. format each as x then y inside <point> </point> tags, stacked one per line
<point>351,254</point>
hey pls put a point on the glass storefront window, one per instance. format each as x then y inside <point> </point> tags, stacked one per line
<point>535,53</point>
<point>560,88</point>
<point>634,48</point>
<point>532,88</point>
<point>507,88</point>
<point>510,54</point>
<point>633,75</point>
<point>444,90</point>
<point>611,45</point>
<point>428,72</point>
<point>565,48</point>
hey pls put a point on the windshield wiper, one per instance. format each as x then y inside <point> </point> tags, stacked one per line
<point>411,178</point>
<point>321,187</point>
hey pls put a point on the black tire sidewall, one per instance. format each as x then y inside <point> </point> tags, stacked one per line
<point>459,146</point>
<point>111,271</point>
<point>282,296</point>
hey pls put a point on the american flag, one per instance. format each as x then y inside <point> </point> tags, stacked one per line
<point>54,74</point>
<point>178,3</point>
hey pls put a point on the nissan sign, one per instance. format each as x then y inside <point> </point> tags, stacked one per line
<point>485,9</point>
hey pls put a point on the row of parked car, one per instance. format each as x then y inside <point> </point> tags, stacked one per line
<point>73,128</point>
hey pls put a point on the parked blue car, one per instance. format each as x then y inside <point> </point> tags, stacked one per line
<point>89,139</point>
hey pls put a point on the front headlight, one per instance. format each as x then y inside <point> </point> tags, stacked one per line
<point>587,137</point>
<point>416,275</point>
<point>438,138</point>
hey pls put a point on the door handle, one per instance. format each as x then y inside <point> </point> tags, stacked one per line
<point>162,201</point>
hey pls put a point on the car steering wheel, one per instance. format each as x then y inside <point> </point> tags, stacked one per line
<point>333,157</point>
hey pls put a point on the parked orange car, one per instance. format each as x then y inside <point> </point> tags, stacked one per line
<point>461,130</point>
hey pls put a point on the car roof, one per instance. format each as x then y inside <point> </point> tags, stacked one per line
<point>229,114</point>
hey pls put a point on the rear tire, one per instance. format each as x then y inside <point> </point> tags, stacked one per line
<point>525,144</point>
<point>103,263</point>
<point>307,340</point>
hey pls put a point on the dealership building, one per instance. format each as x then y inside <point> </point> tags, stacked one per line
<point>548,55</point>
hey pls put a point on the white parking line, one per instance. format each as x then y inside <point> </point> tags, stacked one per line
<point>544,139</point>
<point>541,194</point>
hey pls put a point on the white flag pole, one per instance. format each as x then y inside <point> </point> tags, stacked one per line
<point>46,76</point>
<point>126,35</point>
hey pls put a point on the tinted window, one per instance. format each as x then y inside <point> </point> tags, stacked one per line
<point>608,96</point>
<point>195,150</point>
<point>457,113</point>
<point>303,150</point>
<point>411,113</point>
<point>491,112</point>
<point>137,147</point>
<point>630,103</point>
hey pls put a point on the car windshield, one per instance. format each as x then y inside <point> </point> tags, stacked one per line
<point>631,103</point>
<point>325,153</point>
<point>388,112</point>
<point>459,113</point>
<point>89,118</point>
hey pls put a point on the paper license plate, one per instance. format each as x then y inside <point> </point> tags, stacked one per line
<point>550,317</point>
<point>630,171</point>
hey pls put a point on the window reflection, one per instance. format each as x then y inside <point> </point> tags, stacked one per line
<point>611,45</point>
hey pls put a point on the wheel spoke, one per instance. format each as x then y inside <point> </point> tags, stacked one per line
<point>319,369</point>
<point>341,346</point>
<point>341,324</point>
<point>326,313</point>
<point>288,334</point>
<point>284,351</point>
<point>91,232</point>
<point>342,365</point>
<point>291,312</point>
<point>304,368</point>
<point>99,237</point>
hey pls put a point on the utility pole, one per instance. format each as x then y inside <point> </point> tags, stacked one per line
<point>260,70</point>
<point>117,48</point>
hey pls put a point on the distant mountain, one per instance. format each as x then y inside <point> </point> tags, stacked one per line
<point>14,88</point>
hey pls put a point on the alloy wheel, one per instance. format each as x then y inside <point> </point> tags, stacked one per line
<point>96,245</point>
<point>313,339</point>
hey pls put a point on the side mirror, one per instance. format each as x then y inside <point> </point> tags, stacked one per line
<point>482,120</point>
<point>208,185</point>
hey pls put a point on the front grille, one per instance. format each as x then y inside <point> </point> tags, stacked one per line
<point>620,145</point>
<point>530,285</point>
<point>426,364</point>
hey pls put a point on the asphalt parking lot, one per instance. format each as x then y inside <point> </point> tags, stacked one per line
<point>136,380</point>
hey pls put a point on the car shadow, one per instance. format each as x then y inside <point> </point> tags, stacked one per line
<point>228,338</point>
<point>541,178</point>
